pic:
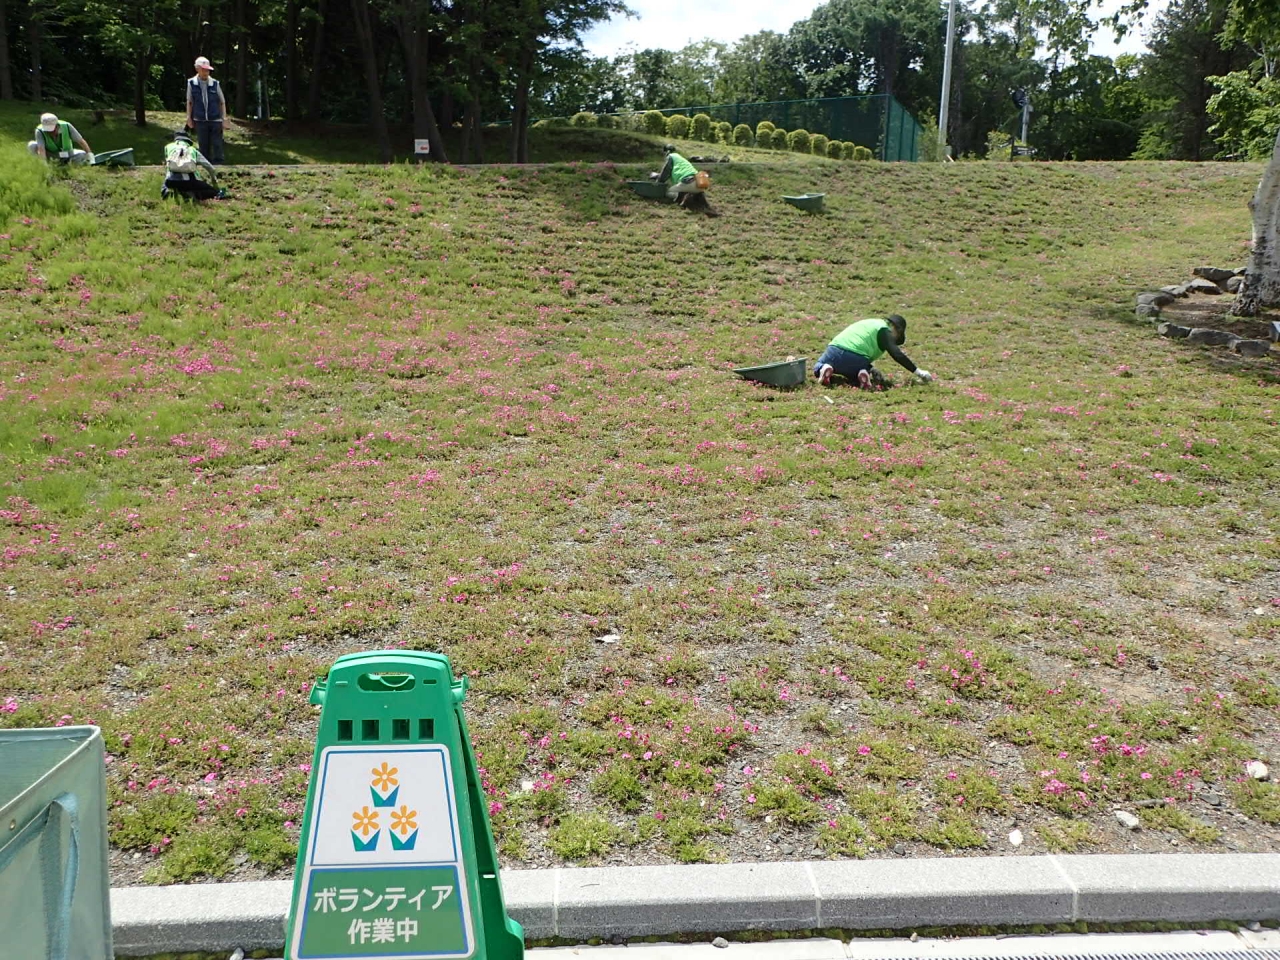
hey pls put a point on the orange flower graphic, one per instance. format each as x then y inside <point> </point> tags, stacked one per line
<point>364,821</point>
<point>384,777</point>
<point>402,820</point>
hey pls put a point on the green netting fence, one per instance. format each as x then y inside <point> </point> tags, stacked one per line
<point>878,122</point>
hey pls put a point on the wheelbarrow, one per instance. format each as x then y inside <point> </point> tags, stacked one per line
<point>649,189</point>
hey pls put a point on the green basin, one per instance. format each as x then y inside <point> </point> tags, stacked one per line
<point>784,373</point>
<point>114,158</point>
<point>807,201</point>
<point>649,189</point>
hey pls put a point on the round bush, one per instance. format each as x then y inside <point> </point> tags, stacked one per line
<point>833,149</point>
<point>742,135</point>
<point>655,123</point>
<point>798,140</point>
<point>724,132</point>
<point>701,127</point>
<point>607,121</point>
<point>764,131</point>
<point>583,119</point>
<point>862,153</point>
<point>818,144</point>
<point>778,139</point>
<point>678,126</point>
<point>846,150</point>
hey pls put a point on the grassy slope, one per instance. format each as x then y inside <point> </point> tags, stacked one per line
<point>490,413</point>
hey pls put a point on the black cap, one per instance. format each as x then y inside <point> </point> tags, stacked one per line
<point>182,135</point>
<point>669,148</point>
<point>900,322</point>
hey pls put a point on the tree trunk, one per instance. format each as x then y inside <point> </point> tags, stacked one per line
<point>373,86</point>
<point>291,62</point>
<point>6,75</point>
<point>317,63</point>
<point>33,40</point>
<point>241,30</point>
<point>1261,287</point>
<point>520,111</point>
<point>416,53</point>
<point>473,113</point>
<point>140,88</point>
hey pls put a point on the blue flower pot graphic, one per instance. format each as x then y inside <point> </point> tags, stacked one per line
<point>367,846</point>
<point>405,844</point>
<point>380,801</point>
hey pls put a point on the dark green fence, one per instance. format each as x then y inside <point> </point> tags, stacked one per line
<point>879,122</point>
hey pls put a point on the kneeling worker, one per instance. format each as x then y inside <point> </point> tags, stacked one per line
<point>681,175</point>
<point>55,140</point>
<point>183,163</point>
<point>859,345</point>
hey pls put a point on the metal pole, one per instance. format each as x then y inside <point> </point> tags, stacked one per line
<point>945,104</point>
<point>1026,119</point>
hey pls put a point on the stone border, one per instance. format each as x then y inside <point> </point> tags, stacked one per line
<point>1212,280</point>
<point>628,902</point>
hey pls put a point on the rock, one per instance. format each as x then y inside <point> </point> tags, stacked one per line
<point>609,638</point>
<point>1214,274</point>
<point>720,942</point>
<point>1274,332</point>
<point>1211,798</point>
<point>1210,337</point>
<point>1232,284</point>
<point>1203,286</point>
<point>1145,310</point>
<point>1258,770</point>
<point>1176,290</point>
<point>1160,299</point>
<point>1015,837</point>
<point>526,786</point>
<point>1252,348</point>
<point>1173,331</point>
<point>1127,820</point>
<point>618,940</point>
<point>900,849</point>
<point>915,937</point>
<point>238,954</point>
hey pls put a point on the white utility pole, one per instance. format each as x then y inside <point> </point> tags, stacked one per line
<point>945,104</point>
<point>1026,118</point>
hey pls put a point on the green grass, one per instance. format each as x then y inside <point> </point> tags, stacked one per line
<point>491,413</point>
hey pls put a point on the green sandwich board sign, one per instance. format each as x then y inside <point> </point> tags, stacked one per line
<point>396,859</point>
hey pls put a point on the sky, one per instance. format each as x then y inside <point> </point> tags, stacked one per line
<point>657,26</point>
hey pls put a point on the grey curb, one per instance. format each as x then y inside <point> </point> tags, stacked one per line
<point>585,903</point>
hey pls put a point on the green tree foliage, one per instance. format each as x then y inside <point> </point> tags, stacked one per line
<point>724,132</point>
<point>1246,114</point>
<point>700,127</point>
<point>742,135</point>
<point>677,126</point>
<point>655,122</point>
<point>798,141</point>
<point>818,144</point>
<point>778,140</point>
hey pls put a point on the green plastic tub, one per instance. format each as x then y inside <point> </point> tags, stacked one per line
<point>807,201</point>
<point>649,189</point>
<point>114,158</point>
<point>784,373</point>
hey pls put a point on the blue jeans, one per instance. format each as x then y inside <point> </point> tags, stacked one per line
<point>844,362</point>
<point>209,138</point>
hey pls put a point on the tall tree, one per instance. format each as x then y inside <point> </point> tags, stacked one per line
<point>6,75</point>
<point>317,60</point>
<point>35,42</point>
<point>373,82</point>
<point>240,34</point>
<point>292,61</point>
<point>414,20</point>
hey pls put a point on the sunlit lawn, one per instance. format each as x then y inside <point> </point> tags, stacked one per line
<point>492,414</point>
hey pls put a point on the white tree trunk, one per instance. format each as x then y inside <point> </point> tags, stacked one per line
<point>1261,287</point>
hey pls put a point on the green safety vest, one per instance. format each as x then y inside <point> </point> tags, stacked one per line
<point>681,168</point>
<point>63,143</point>
<point>863,337</point>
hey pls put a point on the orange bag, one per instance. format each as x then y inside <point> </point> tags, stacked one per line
<point>702,179</point>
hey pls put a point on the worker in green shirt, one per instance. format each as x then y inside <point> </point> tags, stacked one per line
<point>859,345</point>
<point>680,174</point>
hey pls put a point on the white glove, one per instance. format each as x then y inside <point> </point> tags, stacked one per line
<point>924,375</point>
<point>89,159</point>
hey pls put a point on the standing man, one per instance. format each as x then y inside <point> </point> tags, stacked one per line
<point>54,141</point>
<point>859,345</point>
<point>206,110</point>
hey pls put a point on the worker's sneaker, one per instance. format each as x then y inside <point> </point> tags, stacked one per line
<point>864,380</point>
<point>824,374</point>
<point>164,193</point>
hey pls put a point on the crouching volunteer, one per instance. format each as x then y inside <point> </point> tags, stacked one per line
<point>856,347</point>
<point>187,173</point>
<point>56,140</point>
<point>685,181</point>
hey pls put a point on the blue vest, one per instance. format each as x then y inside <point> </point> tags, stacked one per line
<point>199,112</point>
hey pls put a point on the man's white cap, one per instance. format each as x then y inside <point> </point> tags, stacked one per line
<point>49,122</point>
<point>203,62</point>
